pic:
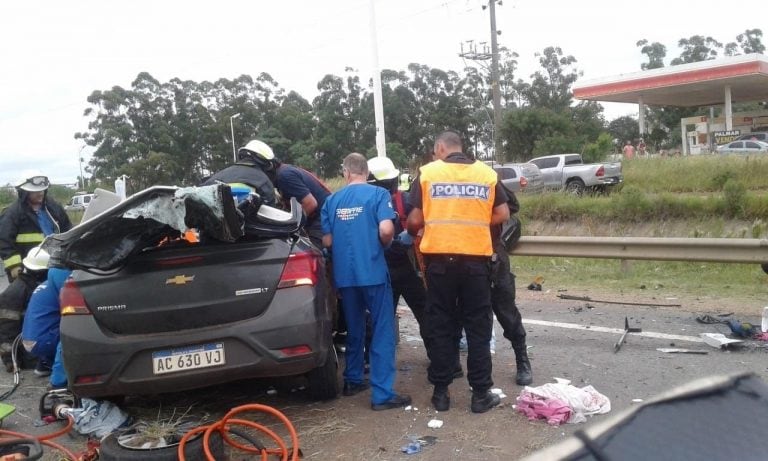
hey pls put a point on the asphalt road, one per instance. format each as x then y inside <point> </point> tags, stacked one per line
<point>567,339</point>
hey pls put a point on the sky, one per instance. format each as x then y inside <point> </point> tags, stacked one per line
<point>53,54</point>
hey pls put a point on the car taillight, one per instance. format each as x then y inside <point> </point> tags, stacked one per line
<point>300,269</point>
<point>523,182</point>
<point>71,300</point>
<point>600,171</point>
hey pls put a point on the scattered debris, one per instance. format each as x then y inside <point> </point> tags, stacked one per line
<point>416,443</point>
<point>672,350</point>
<point>742,329</point>
<point>587,298</point>
<point>435,424</point>
<point>536,283</point>
<point>718,340</point>
<point>99,418</point>
<point>411,449</point>
<point>623,338</point>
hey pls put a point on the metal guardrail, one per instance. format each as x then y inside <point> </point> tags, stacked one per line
<point>725,250</point>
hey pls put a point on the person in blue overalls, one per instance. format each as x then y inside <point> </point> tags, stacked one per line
<point>40,330</point>
<point>357,226</point>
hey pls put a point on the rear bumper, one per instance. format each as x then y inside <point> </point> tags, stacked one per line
<point>611,181</point>
<point>100,364</point>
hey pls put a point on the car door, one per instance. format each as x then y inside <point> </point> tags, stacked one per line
<point>509,178</point>
<point>553,176</point>
<point>751,147</point>
<point>733,147</point>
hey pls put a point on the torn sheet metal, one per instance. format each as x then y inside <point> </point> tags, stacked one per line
<point>143,220</point>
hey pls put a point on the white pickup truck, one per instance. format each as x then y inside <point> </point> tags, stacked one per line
<point>569,172</point>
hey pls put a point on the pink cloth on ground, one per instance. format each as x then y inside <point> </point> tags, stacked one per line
<point>555,411</point>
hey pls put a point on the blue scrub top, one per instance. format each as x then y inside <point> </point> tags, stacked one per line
<point>352,216</point>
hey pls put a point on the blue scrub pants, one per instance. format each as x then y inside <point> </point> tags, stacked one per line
<point>377,299</point>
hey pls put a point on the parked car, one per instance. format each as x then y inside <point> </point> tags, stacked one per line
<point>521,177</point>
<point>569,172</point>
<point>79,202</point>
<point>146,311</point>
<point>755,136</point>
<point>743,147</point>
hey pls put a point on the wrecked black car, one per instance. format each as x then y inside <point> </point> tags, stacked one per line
<point>149,311</point>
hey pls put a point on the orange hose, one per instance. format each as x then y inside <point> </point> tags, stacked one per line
<point>229,419</point>
<point>45,439</point>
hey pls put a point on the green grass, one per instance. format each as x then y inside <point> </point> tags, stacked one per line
<point>660,189</point>
<point>702,173</point>
<point>655,281</point>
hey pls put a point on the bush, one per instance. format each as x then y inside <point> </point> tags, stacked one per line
<point>634,203</point>
<point>734,195</point>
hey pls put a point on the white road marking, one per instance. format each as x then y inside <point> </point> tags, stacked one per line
<point>618,331</point>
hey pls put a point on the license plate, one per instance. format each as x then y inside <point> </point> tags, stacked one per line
<point>188,358</point>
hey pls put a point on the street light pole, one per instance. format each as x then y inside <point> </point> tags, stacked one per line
<point>232,128</point>
<point>80,161</point>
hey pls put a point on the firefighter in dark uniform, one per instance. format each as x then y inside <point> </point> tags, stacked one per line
<point>405,280</point>
<point>23,226</point>
<point>27,221</point>
<point>248,170</point>
<point>456,199</point>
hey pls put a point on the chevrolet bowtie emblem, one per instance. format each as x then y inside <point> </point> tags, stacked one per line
<point>180,279</point>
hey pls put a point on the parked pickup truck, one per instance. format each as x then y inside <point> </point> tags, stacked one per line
<point>569,172</point>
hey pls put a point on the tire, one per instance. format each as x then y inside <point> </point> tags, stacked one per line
<point>575,187</point>
<point>323,381</point>
<point>765,267</point>
<point>111,450</point>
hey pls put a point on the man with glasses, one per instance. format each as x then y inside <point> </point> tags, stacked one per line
<point>27,221</point>
<point>23,226</point>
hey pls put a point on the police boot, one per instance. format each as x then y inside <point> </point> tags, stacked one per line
<point>524,374</point>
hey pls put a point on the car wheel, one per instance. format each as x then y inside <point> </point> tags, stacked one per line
<point>323,381</point>
<point>765,267</point>
<point>112,449</point>
<point>575,187</point>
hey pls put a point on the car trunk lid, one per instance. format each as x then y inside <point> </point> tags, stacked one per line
<point>183,287</point>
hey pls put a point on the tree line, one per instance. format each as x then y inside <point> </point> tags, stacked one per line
<point>178,132</point>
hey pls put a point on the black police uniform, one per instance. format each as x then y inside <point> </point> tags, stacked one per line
<point>466,279</point>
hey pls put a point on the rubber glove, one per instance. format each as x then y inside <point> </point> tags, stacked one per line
<point>405,238</point>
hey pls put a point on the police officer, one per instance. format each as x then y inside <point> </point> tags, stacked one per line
<point>456,199</point>
<point>503,290</point>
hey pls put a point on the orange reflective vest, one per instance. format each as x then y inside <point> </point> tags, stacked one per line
<point>457,201</point>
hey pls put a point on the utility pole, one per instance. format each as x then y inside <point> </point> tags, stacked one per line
<point>378,103</point>
<point>484,54</point>
<point>496,93</point>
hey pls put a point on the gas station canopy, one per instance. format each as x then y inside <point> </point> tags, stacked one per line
<point>698,84</point>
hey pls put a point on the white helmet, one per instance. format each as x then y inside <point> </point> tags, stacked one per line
<point>33,181</point>
<point>382,168</point>
<point>36,259</point>
<point>259,152</point>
